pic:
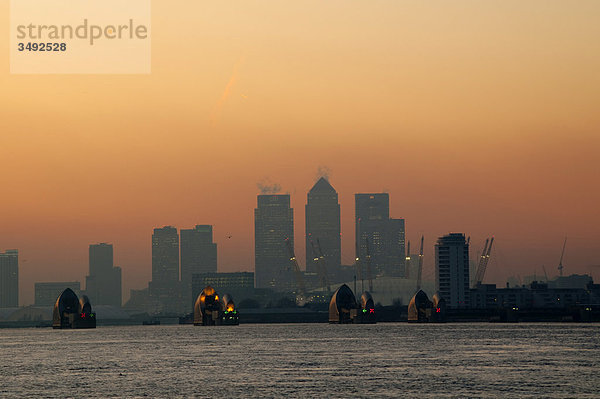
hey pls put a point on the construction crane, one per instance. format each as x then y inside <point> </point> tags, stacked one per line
<point>480,263</point>
<point>420,268</point>
<point>487,259</point>
<point>296,267</point>
<point>545,274</point>
<point>560,265</point>
<point>369,266</point>
<point>483,261</point>
<point>407,262</point>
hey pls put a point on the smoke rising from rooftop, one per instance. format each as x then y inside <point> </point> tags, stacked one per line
<point>323,171</point>
<point>265,186</point>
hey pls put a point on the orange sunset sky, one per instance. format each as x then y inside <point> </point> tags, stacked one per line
<point>476,116</point>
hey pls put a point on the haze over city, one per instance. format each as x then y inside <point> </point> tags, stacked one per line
<point>475,118</point>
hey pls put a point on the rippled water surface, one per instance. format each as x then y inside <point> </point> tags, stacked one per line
<point>305,360</point>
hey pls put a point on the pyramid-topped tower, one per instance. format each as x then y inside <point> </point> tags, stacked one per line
<point>323,227</point>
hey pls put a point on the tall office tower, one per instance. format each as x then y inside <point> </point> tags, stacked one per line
<point>372,207</point>
<point>323,227</point>
<point>379,236</point>
<point>9,279</point>
<point>164,287</point>
<point>394,247</point>
<point>273,224</point>
<point>452,269</point>
<point>103,284</point>
<point>198,255</point>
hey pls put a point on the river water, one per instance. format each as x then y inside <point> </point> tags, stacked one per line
<point>304,361</point>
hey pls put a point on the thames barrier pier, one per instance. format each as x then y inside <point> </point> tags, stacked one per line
<point>210,310</point>
<point>344,309</point>
<point>72,312</point>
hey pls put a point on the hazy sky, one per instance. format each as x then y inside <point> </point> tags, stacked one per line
<point>476,116</point>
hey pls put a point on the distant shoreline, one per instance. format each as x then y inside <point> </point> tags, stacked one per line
<point>572,315</point>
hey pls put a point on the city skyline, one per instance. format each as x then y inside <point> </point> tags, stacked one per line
<point>348,258</point>
<point>487,110</point>
<point>384,198</point>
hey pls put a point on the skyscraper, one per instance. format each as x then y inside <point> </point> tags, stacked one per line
<point>100,258</point>
<point>378,235</point>
<point>273,224</point>
<point>372,207</point>
<point>198,255</point>
<point>103,284</point>
<point>164,287</point>
<point>9,279</point>
<point>452,269</point>
<point>394,247</point>
<point>323,226</point>
<point>165,255</point>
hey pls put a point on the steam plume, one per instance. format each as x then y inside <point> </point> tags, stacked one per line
<point>323,171</point>
<point>265,186</point>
